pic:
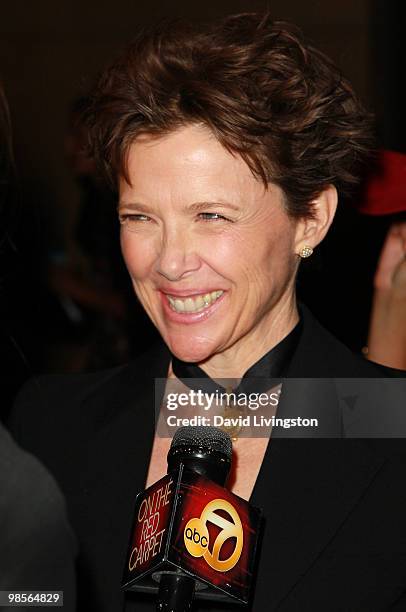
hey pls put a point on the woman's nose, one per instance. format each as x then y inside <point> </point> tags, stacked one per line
<point>177,255</point>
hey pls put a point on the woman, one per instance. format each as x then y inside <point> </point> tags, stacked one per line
<point>228,148</point>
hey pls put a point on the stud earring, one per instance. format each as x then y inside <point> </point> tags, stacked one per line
<point>305,251</point>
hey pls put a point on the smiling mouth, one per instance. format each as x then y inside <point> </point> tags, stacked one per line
<point>193,304</point>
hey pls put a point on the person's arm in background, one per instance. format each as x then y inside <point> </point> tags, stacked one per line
<point>387,332</point>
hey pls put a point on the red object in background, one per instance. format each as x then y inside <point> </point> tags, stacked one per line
<point>385,190</point>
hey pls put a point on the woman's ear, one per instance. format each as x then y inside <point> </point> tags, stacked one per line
<point>311,231</point>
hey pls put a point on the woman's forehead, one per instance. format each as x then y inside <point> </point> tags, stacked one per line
<point>190,161</point>
<point>192,147</point>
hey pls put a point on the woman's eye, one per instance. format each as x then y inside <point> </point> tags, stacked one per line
<point>208,216</point>
<point>133,219</point>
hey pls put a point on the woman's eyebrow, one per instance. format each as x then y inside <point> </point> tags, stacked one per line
<point>201,206</point>
<point>134,206</point>
<point>195,207</point>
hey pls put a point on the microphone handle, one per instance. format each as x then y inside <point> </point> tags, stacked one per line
<point>176,591</point>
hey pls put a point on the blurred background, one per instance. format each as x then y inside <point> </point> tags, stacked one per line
<point>65,298</point>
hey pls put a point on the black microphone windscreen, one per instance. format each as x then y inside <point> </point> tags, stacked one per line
<point>209,439</point>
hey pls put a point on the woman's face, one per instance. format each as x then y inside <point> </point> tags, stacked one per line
<point>210,252</point>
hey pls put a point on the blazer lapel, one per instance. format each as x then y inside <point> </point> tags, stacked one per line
<point>121,445</point>
<point>308,488</point>
<point>310,485</point>
<point>115,464</point>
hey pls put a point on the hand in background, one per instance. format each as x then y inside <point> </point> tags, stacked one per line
<point>387,332</point>
<point>391,270</point>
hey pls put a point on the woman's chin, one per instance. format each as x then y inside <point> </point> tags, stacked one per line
<point>191,352</point>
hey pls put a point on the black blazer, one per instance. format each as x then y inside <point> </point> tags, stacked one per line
<point>335,509</point>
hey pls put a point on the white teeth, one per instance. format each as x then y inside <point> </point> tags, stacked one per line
<point>199,302</point>
<point>178,304</point>
<point>195,304</point>
<point>189,305</point>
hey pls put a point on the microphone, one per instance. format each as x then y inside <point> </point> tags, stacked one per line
<point>192,537</point>
<point>205,450</point>
<point>208,452</point>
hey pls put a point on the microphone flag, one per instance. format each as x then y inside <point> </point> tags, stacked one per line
<point>186,522</point>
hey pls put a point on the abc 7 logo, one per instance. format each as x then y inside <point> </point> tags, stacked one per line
<point>196,535</point>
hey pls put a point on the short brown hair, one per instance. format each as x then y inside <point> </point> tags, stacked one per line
<point>265,94</point>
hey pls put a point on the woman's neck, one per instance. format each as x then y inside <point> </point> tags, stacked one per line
<point>238,358</point>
